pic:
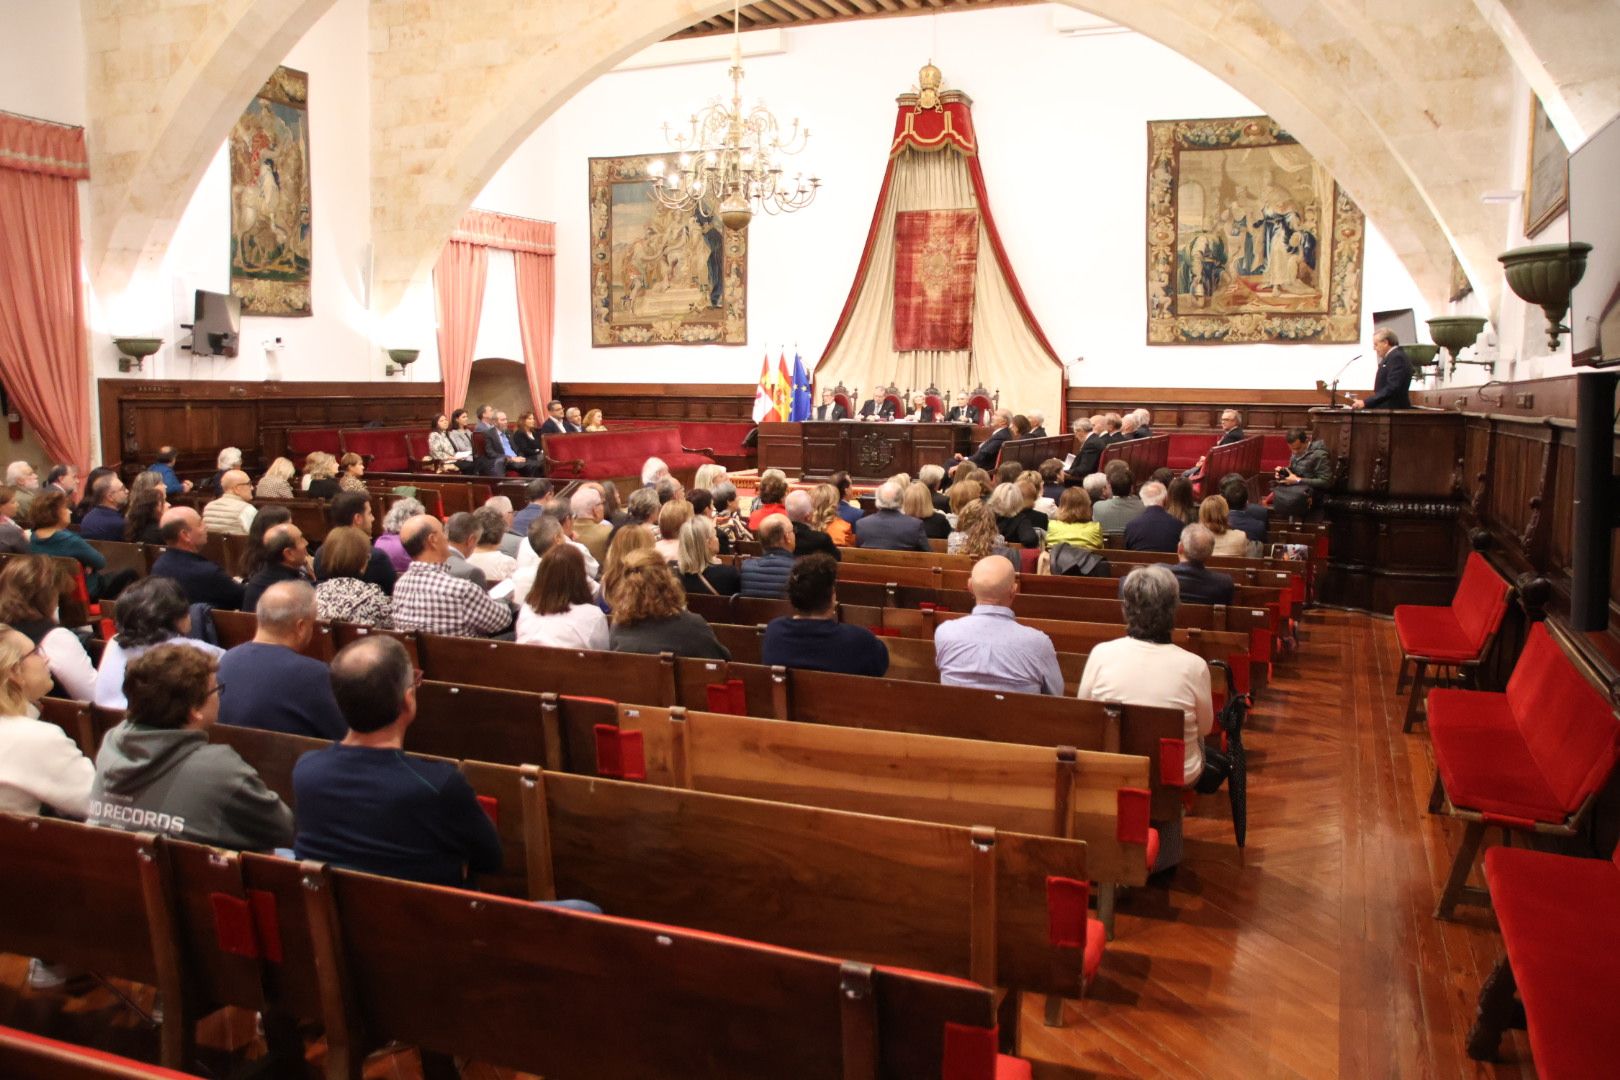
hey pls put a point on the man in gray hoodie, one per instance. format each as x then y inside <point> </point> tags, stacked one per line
<point>157,772</point>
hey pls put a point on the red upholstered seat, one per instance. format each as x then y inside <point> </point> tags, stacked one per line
<point>1096,941</point>
<point>1560,920</point>
<point>385,447</point>
<point>1534,753</point>
<point>1186,449</point>
<point>1273,452</point>
<point>602,455</point>
<point>1462,630</point>
<point>1012,1068</point>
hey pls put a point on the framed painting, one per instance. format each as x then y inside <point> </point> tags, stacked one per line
<point>1546,180</point>
<point>270,202</point>
<point>1249,239</point>
<point>661,276</point>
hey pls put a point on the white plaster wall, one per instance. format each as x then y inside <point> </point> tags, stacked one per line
<point>1062,126</point>
<point>42,60</point>
<point>333,343</point>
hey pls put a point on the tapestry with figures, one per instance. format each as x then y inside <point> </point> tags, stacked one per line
<point>271,249</point>
<point>1249,238</point>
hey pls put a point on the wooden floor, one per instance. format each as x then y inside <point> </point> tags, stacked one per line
<point>1315,955</point>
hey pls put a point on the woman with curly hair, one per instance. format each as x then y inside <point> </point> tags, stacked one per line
<point>649,612</point>
<point>276,483</point>
<point>824,515</point>
<point>976,533</point>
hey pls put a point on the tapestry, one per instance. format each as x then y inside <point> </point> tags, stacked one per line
<point>270,204</point>
<point>1546,180</point>
<point>1249,238</point>
<point>660,276</point>
<point>936,253</point>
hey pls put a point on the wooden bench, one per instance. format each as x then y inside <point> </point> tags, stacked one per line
<point>1144,456</point>
<point>33,1057</point>
<point>1453,637</point>
<point>1031,452</point>
<point>238,627</point>
<point>615,455</point>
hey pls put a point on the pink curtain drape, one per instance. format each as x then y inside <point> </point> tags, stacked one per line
<point>533,245</point>
<point>44,358</point>
<point>458,296</point>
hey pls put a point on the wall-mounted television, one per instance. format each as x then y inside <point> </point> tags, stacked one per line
<point>216,328</point>
<point>1594,217</point>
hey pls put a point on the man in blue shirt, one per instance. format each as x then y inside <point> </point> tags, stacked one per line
<point>164,467</point>
<point>268,683</point>
<point>812,638</point>
<point>766,574</point>
<point>990,649</point>
<point>365,804</point>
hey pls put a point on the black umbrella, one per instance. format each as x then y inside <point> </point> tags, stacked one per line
<point>1237,707</point>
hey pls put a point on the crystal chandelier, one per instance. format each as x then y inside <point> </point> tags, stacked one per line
<point>729,161</point>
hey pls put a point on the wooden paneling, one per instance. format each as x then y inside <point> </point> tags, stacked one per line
<point>670,401</point>
<point>1530,398</point>
<point>1265,412</point>
<point>200,416</point>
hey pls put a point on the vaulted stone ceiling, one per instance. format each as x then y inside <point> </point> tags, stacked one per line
<point>1406,101</point>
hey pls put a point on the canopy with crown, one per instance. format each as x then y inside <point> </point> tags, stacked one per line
<point>927,308</point>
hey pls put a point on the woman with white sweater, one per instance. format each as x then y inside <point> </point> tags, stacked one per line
<point>39,764</point>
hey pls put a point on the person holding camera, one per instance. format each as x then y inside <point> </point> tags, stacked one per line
<point>1299,484</point>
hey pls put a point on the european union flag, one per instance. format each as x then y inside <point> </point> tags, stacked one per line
<point>801,390</point>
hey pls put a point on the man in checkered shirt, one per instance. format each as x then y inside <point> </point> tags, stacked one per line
<point>427,597</point>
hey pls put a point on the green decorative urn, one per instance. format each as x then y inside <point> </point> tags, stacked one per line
<point>1421,356</point>
<point>1454,333</point>
<point>133,351</point>
<point>1545,274</point>
<point>403,357</point>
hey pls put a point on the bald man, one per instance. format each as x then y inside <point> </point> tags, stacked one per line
<point>988,649</point>
<point>268,683</point>
<point>428,597</point>
<point>286,558</point>
<point>233,512</point>
<point>201,579</point>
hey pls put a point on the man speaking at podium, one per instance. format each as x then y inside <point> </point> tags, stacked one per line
<point>1392,385</point>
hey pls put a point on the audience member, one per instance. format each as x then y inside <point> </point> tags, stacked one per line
<point>229,458</point>
<point>641,511</point>
<point>1231,432</point>
<point>825,516</point>
<point>320,475</point>
<point>1127,426</point>
<point>1213,515</point>
<point>1309,473</point>
<point>442,453</point>
<point>652,471</point>
<point>157,772</point>
<point>50,517</point>
<point>1051,471</point>
<point>962,493</point>
<point>363,804</point>
<point>351,509</point>
<point>526,441</point>
<point>708,476</point>
<point>729,525</point>
<point>343,594</point>
<point>39,764</point>
<point>593,420</point>
<point>276,483</point>
<point>151,612</point>
<point>700,571</point>
<point>1091,447</point>
<point>808,538</point>
<point>1180,502</point>
<point>1015,519</point>
<point>232,513</point>
<point>576,422</point>
<point>671,516</point>
<point>1007,472</point>
<point>1121,507</point>
<point>389,542</point>
<point>669,490</point>
<point>1198,584</point>
<point>460,436</point>
<point>1252,518</point>
<point>1018,427</point>
<point>649,610</point>
<point>1144,424</point>
<point>351,473</point>
<point>766,574</point>
<point>625,543</point>
<point>1072,523</point>
<point>545,536</point>
<point>559,611</point>
<point>500,456</point>
<point>849,511</point>
<point>535,494</point>
<point>556,419</point>
<point>427,598</point>
<point>164,467</point>
<point>1144,668</point>
<point>31,586</point>
<point>773,489</point>
<point>918,502</point>
<point>22,479</point>
<point>202,579</point>
<point>990,649</point>
<point>105,518</point>
<point>252,559</point>
<point>1096,486</point>
<point>1037,424</point>
<point>1154,529</point>
<point>889,529</point>
<point>286,558</point>
<point>268,683</point>
<point>976,533</point>
<point>812,638</point>
<point>12,539</point>
<point>590,527</point>
<point>487,555</point>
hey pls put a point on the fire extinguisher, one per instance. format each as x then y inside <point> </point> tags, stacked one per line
<point>13,418</point>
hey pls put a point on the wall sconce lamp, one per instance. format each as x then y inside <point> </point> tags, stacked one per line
<point>133,351</point>
<point>403,358</point>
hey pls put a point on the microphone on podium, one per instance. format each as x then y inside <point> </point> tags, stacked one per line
<point>1333,390</point>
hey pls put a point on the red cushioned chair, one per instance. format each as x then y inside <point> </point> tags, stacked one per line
<point>841,396</point>
<point>1560,920</point>
<point>935,401</point>
<point>980,398</point>
<point>1531,759</point>
<point>1453,638</point>
<point>890,395</point>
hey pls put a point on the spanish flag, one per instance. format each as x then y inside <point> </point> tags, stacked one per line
<point>782,391</point>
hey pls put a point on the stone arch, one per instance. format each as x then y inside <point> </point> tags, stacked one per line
<point>165,85</point>
<point>1566,52</point>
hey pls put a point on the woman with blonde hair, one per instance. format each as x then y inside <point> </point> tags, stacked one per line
<point>700,571</point>
<point>1010,504</point>
<point>918,502</point>
<point>1214,516</point>
<point>650,616</point>
<point>320,475</point>
<point>276,483</point>
<point>625,542</point>
<point>708,476</point>
<point>353,467</point>
<point>824,515</point>
<point>964,492</point>
<point>976,533</point>
<point>1072,523</point>
<point>593,421</point>
<point>39,764</point>
<point>671,516</point>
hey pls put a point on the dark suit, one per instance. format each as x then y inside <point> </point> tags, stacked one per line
<point>494,461</point>
<point>890,530</point>
<point>1200,585</point>
<point>1235,435</point>
<point>807,541</point>
<point>1252,520</point>
<point>527,446</point>
<point>971,414</point>
<point>1393,383</point>
<point>1038,433</point>
<point>872,408</point>
<point>985,456</point>
<point>201,579</point>
<point>1085,462</point>
<point>833,411</point>
<point>924,415</point>
<point>1154,529</point>
<point>554,427</point>
<point>1144,432</point>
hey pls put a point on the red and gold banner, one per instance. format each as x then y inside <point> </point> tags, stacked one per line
<point>935,255</point>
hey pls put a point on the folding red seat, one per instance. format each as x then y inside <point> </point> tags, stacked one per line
<point>1560,920</point>
<point>1455,636</point>
<point>1530,759</point>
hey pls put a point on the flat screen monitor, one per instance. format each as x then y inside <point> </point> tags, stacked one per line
<point>1594,217</point>
<point>217,324</point>
<point>1402,321</point>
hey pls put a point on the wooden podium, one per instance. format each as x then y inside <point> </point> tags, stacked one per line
<point>867,450</point>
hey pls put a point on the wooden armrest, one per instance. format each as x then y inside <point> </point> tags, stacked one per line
<point>709,450</point>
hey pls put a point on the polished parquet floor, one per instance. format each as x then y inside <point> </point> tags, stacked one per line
<point>1314,955</point>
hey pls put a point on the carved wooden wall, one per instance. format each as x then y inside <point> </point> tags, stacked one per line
<point>672,401</point>
<point>1265,412</point>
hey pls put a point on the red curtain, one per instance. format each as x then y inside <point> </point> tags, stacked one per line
<point>458,296</point>
<point>533,245</point>
<point>44,359</point>
<point>536,302</point>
